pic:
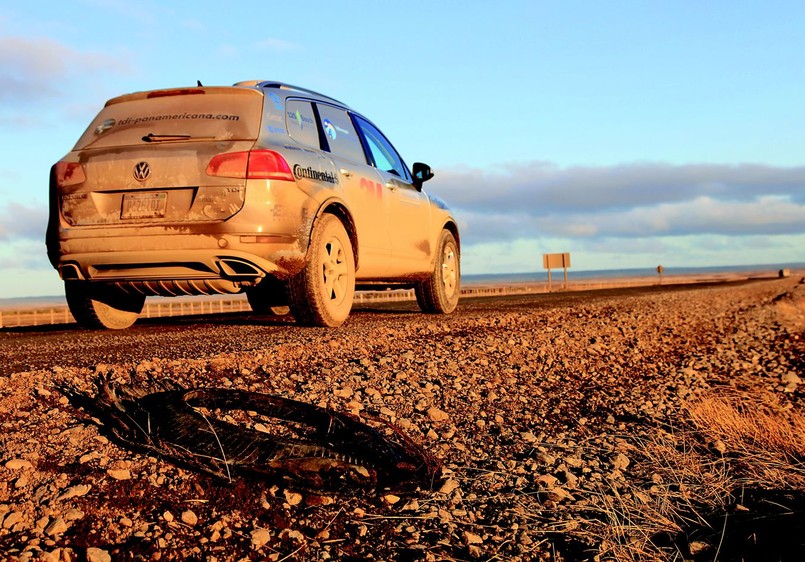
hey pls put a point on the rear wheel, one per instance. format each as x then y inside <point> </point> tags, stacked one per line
<point>439,293</point>
<point>279,310</point>
<point>270,296</point>
<point>321,294</point>
<point>102,306</point>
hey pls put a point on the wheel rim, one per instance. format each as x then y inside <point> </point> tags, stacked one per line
<point>335,271</point>
<point>449,270</point>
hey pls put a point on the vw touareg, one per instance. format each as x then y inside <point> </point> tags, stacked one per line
<point>264,188</point>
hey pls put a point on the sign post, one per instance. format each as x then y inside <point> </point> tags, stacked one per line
<point>551,261</point>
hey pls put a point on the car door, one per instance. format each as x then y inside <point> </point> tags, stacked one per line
<point>408,211</point>
<point>368,202</point>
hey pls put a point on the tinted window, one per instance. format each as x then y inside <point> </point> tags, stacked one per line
<point>384,156</point>
<point>340,133</point>
<point>301,122</point>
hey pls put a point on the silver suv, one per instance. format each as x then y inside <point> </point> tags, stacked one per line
<point>264,188</point>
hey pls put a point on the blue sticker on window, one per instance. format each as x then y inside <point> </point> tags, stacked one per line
<point>276,99</point>
<point>329,129</point>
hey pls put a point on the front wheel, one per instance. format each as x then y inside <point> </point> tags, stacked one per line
<point>439,293</point>
<point>321,294</point>
<point>102,307</point>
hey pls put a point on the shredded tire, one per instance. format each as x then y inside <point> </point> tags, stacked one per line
<point>324,449</point>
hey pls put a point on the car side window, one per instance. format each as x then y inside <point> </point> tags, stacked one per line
<point>340,133</point>
<point>382,153</point>
<point>301,122</point>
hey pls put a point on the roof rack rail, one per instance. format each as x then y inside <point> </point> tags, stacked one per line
<point>284,86</point>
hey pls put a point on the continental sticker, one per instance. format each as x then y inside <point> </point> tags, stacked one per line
<point>316,175</point>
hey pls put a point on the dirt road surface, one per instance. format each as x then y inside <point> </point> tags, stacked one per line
<point>538,408</point>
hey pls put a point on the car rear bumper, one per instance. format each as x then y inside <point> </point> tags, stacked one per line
<point>223,263</point>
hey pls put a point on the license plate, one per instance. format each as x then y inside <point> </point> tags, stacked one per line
<point>144,205</point>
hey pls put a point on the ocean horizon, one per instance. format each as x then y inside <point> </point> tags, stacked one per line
<point>513,278</point>
<point>626,273</point>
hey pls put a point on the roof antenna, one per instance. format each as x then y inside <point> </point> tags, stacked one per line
<point>199,84</point>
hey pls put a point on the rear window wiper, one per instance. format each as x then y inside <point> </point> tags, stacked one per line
<point>151,137</point>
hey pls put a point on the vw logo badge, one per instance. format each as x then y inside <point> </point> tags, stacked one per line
<point>141,171</point>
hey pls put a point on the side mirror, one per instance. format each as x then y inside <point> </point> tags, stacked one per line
<point>421,173</point>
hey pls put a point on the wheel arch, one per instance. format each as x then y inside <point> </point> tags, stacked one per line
<point>339,209</point>
<point>453,228</point>
<point>450,226</point>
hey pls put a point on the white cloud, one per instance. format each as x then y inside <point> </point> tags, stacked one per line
<point>21,222</point>
<point>24,254</point>
<point>639,200</point>
<point>703,215</point>
<point>33,69</point>
<point>543,187</point>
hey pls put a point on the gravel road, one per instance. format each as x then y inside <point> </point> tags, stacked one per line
<point>537,407</point>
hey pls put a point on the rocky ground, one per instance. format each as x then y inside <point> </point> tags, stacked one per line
<point>545,415</point>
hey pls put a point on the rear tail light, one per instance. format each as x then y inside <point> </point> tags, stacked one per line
<point>253,165</point>
<point>229,165</point>
<point>69,173</point>
<point>268,165</point>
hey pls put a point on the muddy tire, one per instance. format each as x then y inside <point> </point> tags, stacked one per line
<point>440,292</point>
<point>279,310</point>
<point>270,297</point>
<point>321,294</point>
<point>100,307</point>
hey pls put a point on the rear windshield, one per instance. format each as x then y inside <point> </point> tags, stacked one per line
<point>189,115</point>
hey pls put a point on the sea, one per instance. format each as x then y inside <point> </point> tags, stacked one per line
<point>633,273</point>
<point>520,278</point>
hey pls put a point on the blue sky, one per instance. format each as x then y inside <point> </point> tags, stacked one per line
<point>629,133</point>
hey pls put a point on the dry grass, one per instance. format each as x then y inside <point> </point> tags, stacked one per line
<point>765,441</point>
<point>630,523</point>
<point>681,483</point>
<point>734,440</point>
